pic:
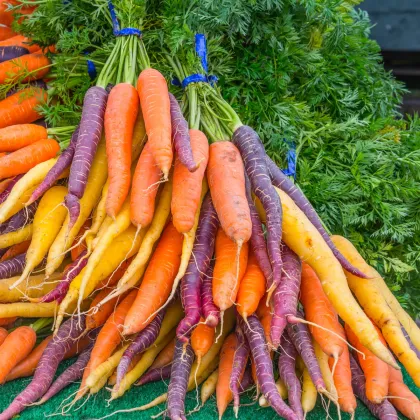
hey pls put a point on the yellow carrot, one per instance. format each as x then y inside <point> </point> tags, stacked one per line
<point>13,238</point>
<point>209,387</point>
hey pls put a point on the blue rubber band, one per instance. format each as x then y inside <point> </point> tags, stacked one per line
<point>116,25</point>
<point>201,50</point>
<point>91,69</point>
<point>291,159</point>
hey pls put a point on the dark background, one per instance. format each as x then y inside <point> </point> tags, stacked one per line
<point>397,30</point>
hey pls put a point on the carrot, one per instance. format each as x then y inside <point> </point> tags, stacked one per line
<point>20,41</point>
<point>75,252</point>
<point>188,185</point>
<point>165,357</point>
<point>5,322</point>
<point>154,100</point>
<point>107,340</point>
<point>120,116</point>
<point>251,289</point>
<point>202,338</point>
<point>376,371</point>
<point>16,347</point>
<point>25,68</point>
<point>15,250</point>
<point>4,185</point>
<point>26,158</point>
<point>223,392</point>
<point>265,316</point>
<point>145,187</point>
<point>157,282</point>
<point>3,335</point>
<point>28,365</point>
<point>225,175</point>
<point>21,107</point>
<point>227,274</point>
<point>319,310</point>
<point>6,32</point>
<point>17,136</point>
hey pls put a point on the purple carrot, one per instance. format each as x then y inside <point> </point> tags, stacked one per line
<point>41,122</point>
<point>6,192</point>
<point>63,162</point>
<point>53,354</point>
<point>259,247</point>
<point>60,291</point>
<point>239,361</point>
<point>155,375</point>
<point>180,373</point>
<point>287,372</point>
<point>181,136</point>
<point>301,339</point>
<point>382,411</point>
<point>198,264</point>
<point>35,83</point>
<point>211,312</point>
<point>253,155</point>
<point>247,380</point>
<point>282,182</point>
<point>90,130</point>
<point>12,267</point>
<point>264,366</point>
<point>21,218</point>
<point>9,53</point>
<point>412,346</point>
<point>72,374</point>
<point>143,340</point>
<point>285,298</point>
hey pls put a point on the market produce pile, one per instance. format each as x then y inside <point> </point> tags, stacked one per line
<point>146,226</point>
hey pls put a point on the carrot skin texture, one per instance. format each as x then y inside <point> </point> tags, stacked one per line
<point>282,182</point>
<point>142,341</point>
<point>15,137</point>
<point>412,346</point>
<point>287,372</point>
<point>21,218</point>
<point>12,267</point>
<point>155,375</point>
<point>285,297</point>
<point>20,40</point>
<point>210,311</point>
<point>36,65</point>
<point>20,108</point>
<point>48,364</point>
<point>253,155</point>
<point>301,338</point>
<point>199,263</point>
<point>59,292</point>
<point>119,128</point>
<point>6,192</point>
<point>6,32</point>
<point>155,104</point>
<point>90,129</point>
<point>226,178</point>
<point>11,52</point>
<point>257,241</point>
<point>63,162</point>
<point>264,367</point>
<point>384,410</point>
<point>181,136</point>
<point>180,373</point>
<point>3,335</point>
<point>22,160</point>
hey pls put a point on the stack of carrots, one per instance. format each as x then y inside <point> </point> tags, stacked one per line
<point>143,248</point>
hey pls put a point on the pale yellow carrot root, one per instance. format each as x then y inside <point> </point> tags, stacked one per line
<point>13,238</point>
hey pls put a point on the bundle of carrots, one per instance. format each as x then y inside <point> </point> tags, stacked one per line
<point>166,256</point>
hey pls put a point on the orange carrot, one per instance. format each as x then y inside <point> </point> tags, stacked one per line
<point>251,288</point>
<point>20,41</point>
<point>16,347</point>
<point>32,66</point>
<point>227,274</point>
<point>405,401</point>
<point>264,314</point>
<point>26,158</point>
<point>340,369</point>
<point>6,16</point>
<point>202,338</point>
<point>5,32</point>
<point>145,187</point>
<point>120,116</point>
<point>165,356</point>
<point>15,137</point>
<point>5,322</point>
<point>376,371</point>
<point>157,281</point>
<point>154,100</point>
<point>5,183</point>
<point>187,185</point>
<point>319,310</point>
<point>108,339</point>
<point>28,365</point>
<point>223,393</point>
<point>15,250</point>
<point>21,107</point>
<point>75,252</point>
<point>3,335</point>
<point>225,175</point>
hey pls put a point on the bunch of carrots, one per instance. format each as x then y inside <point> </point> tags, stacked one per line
<point>153,253</point>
